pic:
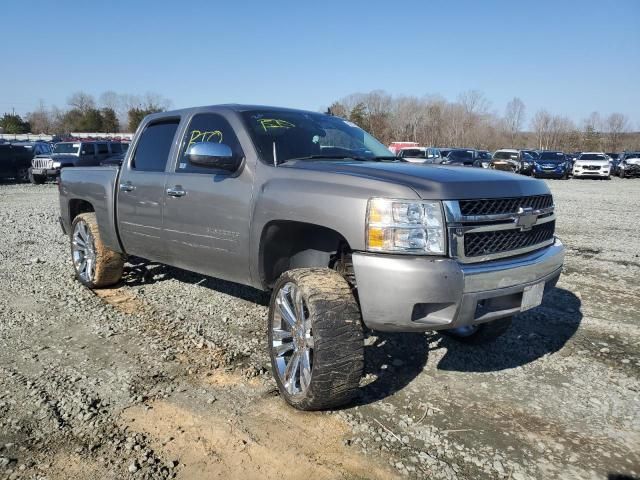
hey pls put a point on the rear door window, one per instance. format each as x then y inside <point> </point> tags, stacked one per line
<point>87,149</point>
<point>103,148</point>
<point>154,146</point>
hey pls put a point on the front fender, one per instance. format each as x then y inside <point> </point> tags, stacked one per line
<point>334,201</point>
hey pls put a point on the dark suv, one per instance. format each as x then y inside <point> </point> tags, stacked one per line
<point>16,157</point>
<point>463,157</point>
<point>71,154</point>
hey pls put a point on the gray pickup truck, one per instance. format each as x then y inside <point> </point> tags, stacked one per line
<point>313,209</point>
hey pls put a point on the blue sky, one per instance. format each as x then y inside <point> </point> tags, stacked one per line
<point>570,57</point>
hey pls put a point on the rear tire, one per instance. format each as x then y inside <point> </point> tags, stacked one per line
<point>481,334</point>
<point>315,339</point>
<point>96,266</point>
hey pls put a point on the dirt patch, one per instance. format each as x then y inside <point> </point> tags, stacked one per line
<point>71,465</point>
<point>265,439</point>
<point>123,300</point>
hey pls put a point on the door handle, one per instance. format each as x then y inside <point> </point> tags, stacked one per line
<point>127,187</point>
<point>176,192</point>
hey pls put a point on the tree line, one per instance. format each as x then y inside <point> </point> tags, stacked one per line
<point>431,120</point>
<point>469,121</point>
<point>111,113</point>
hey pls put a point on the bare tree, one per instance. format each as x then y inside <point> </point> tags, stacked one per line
<point>473,102</point>
<point>514,118</point>
<point>82,101</point>
<point>40,119</point>
<point>616,126</point>
<point>592,132</point>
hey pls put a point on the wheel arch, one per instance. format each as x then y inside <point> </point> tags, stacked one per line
<point>78,206</point>
<point>287,244</point>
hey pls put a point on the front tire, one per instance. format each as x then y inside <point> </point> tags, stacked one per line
<point>315,339</point>
<point>36,179</point>
<point>480,334</point>
<point>22,175</point>
<point>96,266</point>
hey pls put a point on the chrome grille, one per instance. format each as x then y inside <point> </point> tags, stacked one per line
<point>42,163</point>
<point>590,167</point>
<point>496,206</point>
<point>489,243</point>
<point>487,229</point>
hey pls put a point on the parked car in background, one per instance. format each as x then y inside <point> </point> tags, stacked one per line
<point>507,159</point>
<point>551,165</point>
<point>444,152</point>
<point>36,148</point>
<point>15,161</point>
<point>592,165</point>
<point>484,156</point>
<point>420,155</point>
<point>395,147</point>
<point>462,157</point>
<point>315,211</point>
<point>615,162</point>
<point>629,165</point>
<point>528,158</point>
<point>71,154</point>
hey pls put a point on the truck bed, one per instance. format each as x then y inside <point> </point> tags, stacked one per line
<point>97,187</point>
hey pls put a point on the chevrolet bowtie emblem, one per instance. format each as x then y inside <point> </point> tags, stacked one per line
<point>526,218</point>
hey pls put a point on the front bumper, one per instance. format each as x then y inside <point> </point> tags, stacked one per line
<point>578,173</point>
<point>631,170</point>
<point>49,172</point>
<point>542,173</point>
<point>410,293</point>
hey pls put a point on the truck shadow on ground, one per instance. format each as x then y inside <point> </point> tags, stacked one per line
<point>139,271</point>
<point>532,335</point>
<point>393,360</point>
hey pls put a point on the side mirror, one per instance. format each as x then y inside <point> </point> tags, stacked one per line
<point>213,155</point>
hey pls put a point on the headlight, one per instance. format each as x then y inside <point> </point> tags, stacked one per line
<point>56,164</point>
<point>405,226</point>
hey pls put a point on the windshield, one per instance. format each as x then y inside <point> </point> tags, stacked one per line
<point>295,135</point>
<point>534,154</point>
<point>66,148</point>
<point>413,152</point>
<point>460,155</point>
<point>505,156</point>
<point>592,156</point>
<point>559,156</point>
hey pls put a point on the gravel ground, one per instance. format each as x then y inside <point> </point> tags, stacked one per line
<point>166,375</point>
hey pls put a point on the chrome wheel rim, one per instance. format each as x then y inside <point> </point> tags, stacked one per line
<point>292,339</point>
<point>83,252</point>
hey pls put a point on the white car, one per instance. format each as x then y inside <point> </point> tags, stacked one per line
<point>420,155</point>
<point>592,165</point>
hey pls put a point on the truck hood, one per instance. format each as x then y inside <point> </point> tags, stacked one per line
<point>436,182</point>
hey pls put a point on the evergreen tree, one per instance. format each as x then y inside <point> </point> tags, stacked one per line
<point>14,124</point>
